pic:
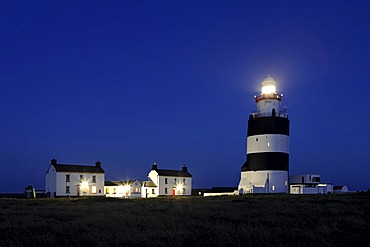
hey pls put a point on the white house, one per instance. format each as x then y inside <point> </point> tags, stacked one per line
<point>74,180</point>
<point>148,189</point>
<point>167,182</point>
<point>123,189</point>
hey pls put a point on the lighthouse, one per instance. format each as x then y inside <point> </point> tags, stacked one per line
<point>267,152</point>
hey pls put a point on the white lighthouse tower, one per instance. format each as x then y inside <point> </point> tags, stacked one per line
<point>267,165</point>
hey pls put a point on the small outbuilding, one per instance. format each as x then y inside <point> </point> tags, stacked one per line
<point>340,189</point>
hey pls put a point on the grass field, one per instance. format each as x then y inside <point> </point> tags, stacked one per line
<point>255,220</point>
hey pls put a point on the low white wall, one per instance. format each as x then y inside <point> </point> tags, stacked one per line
<point>220,194</point>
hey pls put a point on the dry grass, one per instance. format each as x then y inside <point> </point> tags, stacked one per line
<point>260,220</point>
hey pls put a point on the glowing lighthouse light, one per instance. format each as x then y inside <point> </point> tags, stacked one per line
<point>269,86</point>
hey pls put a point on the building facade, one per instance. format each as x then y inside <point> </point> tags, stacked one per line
<point>123,189</point>
<point>309,184</point>
<point>64,180</point>
<point>163,182</point>
<point>267,152</point>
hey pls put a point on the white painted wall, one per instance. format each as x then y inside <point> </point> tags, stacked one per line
<point>221,194</point>
<point>149,192</point>
<point>265,106</point>
<point>177,183</point>
<point>50,178</point>
<point>264,182</point>
<point>121,191</point>
<point>181,185</point>
<point>268,143</point>
<point>56,182</point>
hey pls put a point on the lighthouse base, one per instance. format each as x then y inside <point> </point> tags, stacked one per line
<point>269,181</point>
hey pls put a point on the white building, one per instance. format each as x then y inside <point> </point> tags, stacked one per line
<point>167,182</point>
<point>74,180</point>
<point>309,184</point>
<point>149,189</point>
<point>123,189</point>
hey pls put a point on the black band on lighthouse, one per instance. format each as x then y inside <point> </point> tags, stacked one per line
<point>266,161</point>
<point>268,125</point>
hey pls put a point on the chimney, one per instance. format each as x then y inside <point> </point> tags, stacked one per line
<point>98,164</point>
<point>185,168</point>
<point>53,162</point>
<point>154,166</point>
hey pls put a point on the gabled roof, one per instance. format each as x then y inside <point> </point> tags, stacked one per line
<point>173,173</point>
<point>78,168</point>
<point>120,183</point>
<point>148,184</point>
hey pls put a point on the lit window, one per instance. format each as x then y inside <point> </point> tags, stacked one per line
<point>106,190</point>
<point>68,178</point>
<point>93,189</point>
<point>268,144</point>
<point>273,187</point>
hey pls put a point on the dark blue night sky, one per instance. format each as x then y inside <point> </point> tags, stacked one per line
<point>133,82</point>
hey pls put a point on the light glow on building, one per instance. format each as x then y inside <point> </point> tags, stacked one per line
<point>268,89</point>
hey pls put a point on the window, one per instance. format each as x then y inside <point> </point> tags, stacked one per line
<point>165,191</point>
<point>183,191</point>
<point>93,189</point>
<point>99,191</point>
<point>273,187</point>
<point>81,178</point>
<point>183,181</point>
<point>114,191</point>
<point>68,178</point>
<point>165,181</point>
<point>175,181</point>
<point>106,190</point>
<point>256,139</point>
<point>67,190</point>
<point>315,179</point>
<point>153,191</point>
<point>94,179</point>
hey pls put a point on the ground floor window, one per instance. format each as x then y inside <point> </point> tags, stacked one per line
<point>93,189</point>
<point>68,190</point>
<point>153,191</point>
<point>183,191</point>
<point>165,191</point>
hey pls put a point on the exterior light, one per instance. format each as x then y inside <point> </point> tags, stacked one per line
<point>84,184</point>
<point>179,188</point>
<point>127,188</point>
<point>269,89</point>
<point>269,86</point>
